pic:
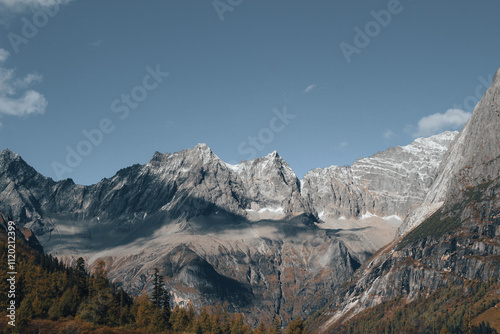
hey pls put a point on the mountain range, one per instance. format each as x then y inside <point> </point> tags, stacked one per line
<point>252,234</point>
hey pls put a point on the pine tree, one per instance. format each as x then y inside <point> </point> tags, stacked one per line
<point>180,319</point>
<point>55,310</point>
<point>80,278</point>
<point>37,307</point>
<point>226,323</point>
<point>296,327</point>
<point>165,305</point>
<point>216,319</point>
<point>26,307</point>
<point>204,320</point>
<point>99,281</point>
<point>261,329</point>
<point>445,330</point>
<point>161,297</point>
<point>237,324</point>
<point>276,326</point>
<point>157,289</point>
<point>197,329</point>
<point>143,310</point>
<point>69,302</point>
<point>190,317</point>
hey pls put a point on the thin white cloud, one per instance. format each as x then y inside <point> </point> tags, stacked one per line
<point>11,9</point>
<point>21,5</point>
<point>452,119</point>
<point>6,81</point>
<point>29,80</point>
<point>388,134</point>
<point>96,43</point>
<point>309,88</point>
<point>30,103</point>
<point>344,144</point>
<point>4,54</point>
<point>15,98</point>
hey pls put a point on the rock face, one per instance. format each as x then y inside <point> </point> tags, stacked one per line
<point>391,182</point>
<point>459,241</point>
<point>250,234</point>
<point>262,268</point>
<point>184,184</point>
<point>471,160</point>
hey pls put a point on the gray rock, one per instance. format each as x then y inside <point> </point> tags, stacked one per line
<point>391,182</point>
<point>457,242</point>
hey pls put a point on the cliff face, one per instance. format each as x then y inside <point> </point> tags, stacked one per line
<point>471,160</point>
<point>391,182</point>
<point>263,268</point>
<point>455,244</point>
<point>459,241</point>
<point>184,184</point>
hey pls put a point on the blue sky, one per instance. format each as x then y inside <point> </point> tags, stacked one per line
<point>114,81</point>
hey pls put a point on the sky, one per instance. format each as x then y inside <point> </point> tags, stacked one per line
<point>90,87</point>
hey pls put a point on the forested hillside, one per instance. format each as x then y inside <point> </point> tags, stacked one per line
<point>53,298</point>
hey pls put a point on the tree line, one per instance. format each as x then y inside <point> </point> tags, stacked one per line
<point>52,296</point>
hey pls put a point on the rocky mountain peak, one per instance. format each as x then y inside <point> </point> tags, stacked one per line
<point>442,140</point>
<point>202,147</point>
<point>496,79</point>
<point>188,160</point>
<point>471,160</point>
<point>8,155</point>
<point>274,155</point>
<point>13,166</point>
<point>203,152</point>
<point>158,156</point>
<point>479,143</point>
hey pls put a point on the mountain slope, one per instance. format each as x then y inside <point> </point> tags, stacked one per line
<point>458,242</point>
<point>368,201</point>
